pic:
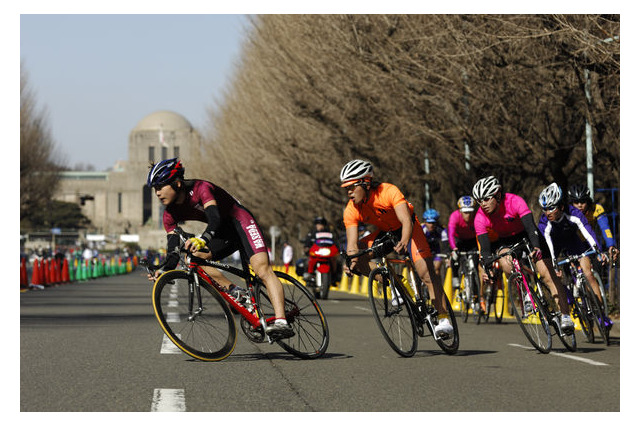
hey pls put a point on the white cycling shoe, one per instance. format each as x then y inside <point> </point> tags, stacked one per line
<point>444,328</point>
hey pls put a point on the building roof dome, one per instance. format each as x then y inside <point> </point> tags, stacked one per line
<point>165,120</point>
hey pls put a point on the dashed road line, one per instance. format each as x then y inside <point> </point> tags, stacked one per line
<point>563,355</point>
<point>168,347</point>
<point>168,400</point>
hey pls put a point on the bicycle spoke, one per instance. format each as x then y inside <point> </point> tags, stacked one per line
<point>393,314</point>
<point>199,323</point>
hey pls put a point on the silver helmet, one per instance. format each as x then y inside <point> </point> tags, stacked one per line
<point>550,197</point>
<point>356,170</point>
<point>486,187</point>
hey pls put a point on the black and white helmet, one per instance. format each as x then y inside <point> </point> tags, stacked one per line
<point>486,187</point>
<point>356,170</point>
<point>579,193</point>
<point>550,197</point>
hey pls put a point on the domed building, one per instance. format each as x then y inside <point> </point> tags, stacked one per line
<point>119,204</point>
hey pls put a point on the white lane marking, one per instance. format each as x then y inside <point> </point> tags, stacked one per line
<point>168,400</point>
<point>173,317</point>
<point>168,347</point>
<point>362,309</point>
<point>573,357</point>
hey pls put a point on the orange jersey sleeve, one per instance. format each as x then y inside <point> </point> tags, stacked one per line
<point>378,210</point>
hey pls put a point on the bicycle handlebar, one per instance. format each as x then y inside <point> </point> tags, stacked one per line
<point>576,257</point>
<point>184,236</point>
<point>511,251</point>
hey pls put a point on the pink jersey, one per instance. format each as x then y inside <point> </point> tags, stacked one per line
<point>506,220</point>
<point>459,229</point>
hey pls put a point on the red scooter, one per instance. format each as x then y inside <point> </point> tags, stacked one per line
<point>321,263</point>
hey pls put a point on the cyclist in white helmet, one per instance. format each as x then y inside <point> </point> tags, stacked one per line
<point>385,207</point>
<point>505,219</point>
<point>567,230</point>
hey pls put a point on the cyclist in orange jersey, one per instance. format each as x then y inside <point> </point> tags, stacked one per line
<point>385,207</point>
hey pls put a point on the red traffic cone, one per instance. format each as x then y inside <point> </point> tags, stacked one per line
<point>24,279</point>
<point>57,269</point>
<point>52,271</point>
<point>35,274</point>
<point>65,271</point>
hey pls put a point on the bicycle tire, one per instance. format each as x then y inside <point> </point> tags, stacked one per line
<point>303,312</point>
<point>581,311</point>
<point>208,336</point>
<point>535,325</point>
<point>545,296</point>
<point>603,293</point>
<point>325,283</point>
<point>450,345</point>
<point>477,312</point>
<point>394,316</point>
<point>465,292</point>
<point>597,314</point>
<point>498,301</point>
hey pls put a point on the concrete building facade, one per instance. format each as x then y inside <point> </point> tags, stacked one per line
<point>119,204</point>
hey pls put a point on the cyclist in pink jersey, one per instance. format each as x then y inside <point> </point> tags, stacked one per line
<point>230,227</point>
<point>462,234</point>
<point>509,218</point>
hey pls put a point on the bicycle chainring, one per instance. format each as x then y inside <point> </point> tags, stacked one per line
<point>254,335</point>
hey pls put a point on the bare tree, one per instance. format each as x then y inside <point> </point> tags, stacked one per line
<point>313,92</point>
<point>39,161</point>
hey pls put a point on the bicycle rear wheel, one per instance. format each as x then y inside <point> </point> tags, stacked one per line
<point>196,318</point>
<point>393,313</point>
<point>498,300</point>
<point>303,313</point>
<point>466,296</point>
<point>533,321</point>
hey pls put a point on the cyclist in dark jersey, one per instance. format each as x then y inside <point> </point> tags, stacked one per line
<point>230,227</point>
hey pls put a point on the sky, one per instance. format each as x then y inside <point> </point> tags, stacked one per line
<point>96,76</point>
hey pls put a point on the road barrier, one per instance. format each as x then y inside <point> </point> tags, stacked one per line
<point>50,272</point>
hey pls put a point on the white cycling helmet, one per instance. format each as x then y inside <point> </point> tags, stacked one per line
<point>550,197</point>
<point>354,171</point>
<point>486,187</point>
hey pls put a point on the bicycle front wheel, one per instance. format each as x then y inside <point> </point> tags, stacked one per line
<point>530,315</point>
<point>567,339</point>
<point>303,313</point>
<point>393,313</point>
<point>596,312</point>
<point>581,310</point>
<point>195,317</point>
<point>451,343</point>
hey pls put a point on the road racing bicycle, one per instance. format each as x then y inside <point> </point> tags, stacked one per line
<point>401,306</point>
<point>196,312</point>
<point>531,301</point>
<point>585,305</point>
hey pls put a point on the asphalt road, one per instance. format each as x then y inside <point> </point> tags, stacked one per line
<point>96,346</point>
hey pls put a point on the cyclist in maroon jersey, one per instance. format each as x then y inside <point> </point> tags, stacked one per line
<point>230,227</point>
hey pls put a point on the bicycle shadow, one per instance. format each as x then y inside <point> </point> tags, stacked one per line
<point>459,353</point>
<point>267,356</point>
